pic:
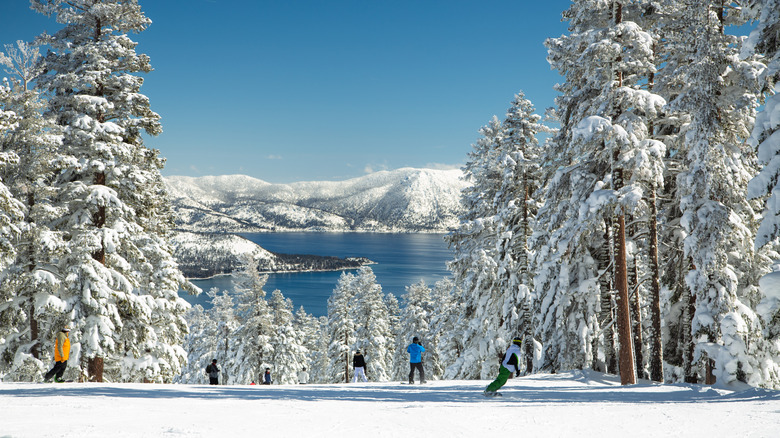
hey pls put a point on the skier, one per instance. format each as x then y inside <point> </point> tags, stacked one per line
<point>509,364</point>
<point>415,350</point>
<point>359,365</point>
<point>61,354</point>
<point>267,377</point>
<point>213,373</point>
<point>303,377</point>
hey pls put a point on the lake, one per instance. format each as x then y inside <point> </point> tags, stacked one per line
<point>401,260</point>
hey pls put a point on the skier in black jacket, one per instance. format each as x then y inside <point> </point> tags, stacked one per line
<point>359,365</point>
<point>213,373</point>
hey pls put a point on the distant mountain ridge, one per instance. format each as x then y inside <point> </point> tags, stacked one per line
<point>402,200</point>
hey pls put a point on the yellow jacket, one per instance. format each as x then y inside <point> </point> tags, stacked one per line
<point>61,347</point>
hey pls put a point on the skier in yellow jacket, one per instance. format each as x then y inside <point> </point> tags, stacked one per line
<point>61,354</point>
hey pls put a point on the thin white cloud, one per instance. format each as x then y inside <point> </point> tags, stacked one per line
<point>371,168</point>
<point>274,157</point>
<point>443,166</point>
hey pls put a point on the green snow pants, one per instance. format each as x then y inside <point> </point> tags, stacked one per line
<point>503,375</point>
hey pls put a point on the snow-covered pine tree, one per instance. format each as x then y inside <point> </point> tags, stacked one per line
<point>491,251</point>
<point>309,329</point>
<point>445,344</point>
<point>603,161</point>
<point>514,219</point>
<point>765,39</point>
<point>289,354</point>
<point>198,346</point>
<point>373,331</point>
<point>340,330</point>
<point>713,92</point>
<point>222,333</point>
<point>120,281</point>
<point>28,288</point>
<point>11,216</point>
<point>255,325</point>
<point>415,320</point>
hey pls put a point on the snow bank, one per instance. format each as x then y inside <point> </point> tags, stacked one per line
<point>571,404</point>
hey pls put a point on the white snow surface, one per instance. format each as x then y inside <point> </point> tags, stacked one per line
<point>572,404</point>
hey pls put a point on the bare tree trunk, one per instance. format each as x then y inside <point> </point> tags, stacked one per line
<point>636,316</point>
<point>689,303</point>
<point>709,377</point>
<point>627,366</point>
<point>527,329</point>
<point>606,313</point>
<point>656,344</point>
<point>95,369</point>
<point>346,359</point>
<point>35,350</point>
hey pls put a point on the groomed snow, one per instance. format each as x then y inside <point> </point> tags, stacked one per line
<point>575,404</point>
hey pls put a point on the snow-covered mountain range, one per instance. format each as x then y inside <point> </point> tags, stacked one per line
<point>211,209</point>
<point>403,200</point>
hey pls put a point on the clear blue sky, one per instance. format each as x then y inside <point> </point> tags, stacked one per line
<point>302,90</point>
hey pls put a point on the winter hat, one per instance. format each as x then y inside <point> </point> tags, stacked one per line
<point>517,341</point>
<point>415,339</point>
<point>357,351</point>
<point>66,328</point>
<point>214,361</point>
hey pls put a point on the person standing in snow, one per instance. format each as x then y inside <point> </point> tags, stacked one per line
<point>213,373</point>
<point>303,376</point>
<point>415,350</point>
<point>359,367</point>
<point>267,377</point>
<point>61,354</point>
<point>510,364</point>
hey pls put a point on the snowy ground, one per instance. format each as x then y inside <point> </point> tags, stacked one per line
<point>577,404</point>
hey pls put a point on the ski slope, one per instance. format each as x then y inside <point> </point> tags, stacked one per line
<point>575,404</point>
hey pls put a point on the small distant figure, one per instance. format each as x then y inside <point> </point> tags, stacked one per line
<point>213,371</point>
<point>510,364</point>
<point>415,350</point>
<point>253,383</point>
<point>267,377</point>
<point>61,354</point>
<point>359,367</point>
<point>303,376</point>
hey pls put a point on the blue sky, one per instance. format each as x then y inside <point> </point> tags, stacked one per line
<point>302,90</point>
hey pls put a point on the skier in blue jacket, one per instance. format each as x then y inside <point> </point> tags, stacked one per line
<point>415,350</point>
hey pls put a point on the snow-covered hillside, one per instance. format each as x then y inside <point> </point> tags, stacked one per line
<point>400,200</point>
<point>573,404</point>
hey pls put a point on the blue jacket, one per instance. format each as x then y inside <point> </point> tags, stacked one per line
<point>414,351</point>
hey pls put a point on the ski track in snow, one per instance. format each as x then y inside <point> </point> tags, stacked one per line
<point>579,404</point>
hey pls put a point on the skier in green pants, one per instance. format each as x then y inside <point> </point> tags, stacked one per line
<point>510,364</point>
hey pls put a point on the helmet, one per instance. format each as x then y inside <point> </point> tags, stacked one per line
<point>517,341</point>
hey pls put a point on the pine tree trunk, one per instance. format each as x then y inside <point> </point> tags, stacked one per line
<point>627,367</point>
<point>606,314</point>
<point>523,263</point>
<point>95,369</point>
<point>346,359</point>
<point>656,344</point>
<point>689,301</point>
<point>636,317</point>
<point>709,377</point>
<point>35,350</point>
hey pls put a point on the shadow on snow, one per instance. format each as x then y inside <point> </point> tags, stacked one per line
<point>515,392</point>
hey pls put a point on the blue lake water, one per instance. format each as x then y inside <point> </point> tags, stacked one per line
<point>401,260</point>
